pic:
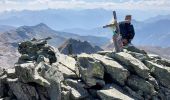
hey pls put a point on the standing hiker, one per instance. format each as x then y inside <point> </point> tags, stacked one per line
<point>126,30</point>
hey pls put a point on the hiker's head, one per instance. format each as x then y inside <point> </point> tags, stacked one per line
<point>128,18</point>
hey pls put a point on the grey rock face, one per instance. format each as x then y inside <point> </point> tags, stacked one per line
<point>138,83</point>
<point>161,73</point>
<point>77,90</point>
<point>54,77</point>
<point>113,93</point>
<point>23,91</point>
<point>117,71</point>
<point>91,70</point>
<point>133,93</point>
<point>67,65</point>
<point>67,73</point>
<point>133,64</point>
<point>27,73</point>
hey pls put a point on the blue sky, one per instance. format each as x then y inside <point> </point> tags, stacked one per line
<point>141,9</point>
<point>159,5</point>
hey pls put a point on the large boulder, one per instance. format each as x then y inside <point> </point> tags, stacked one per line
<point>42,92</point>
<point>91,70</point>
<point>54,77</point>
<point>67,72</point>
<point>22,91</point>
<point>133,93</point>
<point>43,74</point>
<point>113,93</point>
<point>160,72</point>
<point>67,65</point>
<point>26,73</point>
<point>134,65</point>
<point>117,72</point>
<point>77,90</point>
<point>137,83</point>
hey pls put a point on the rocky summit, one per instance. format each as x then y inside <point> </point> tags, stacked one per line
<point>43,73</point>
<point>72,46</point>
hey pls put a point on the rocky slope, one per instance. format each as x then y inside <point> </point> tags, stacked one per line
<point>77,47</point>
<point>42,73</point>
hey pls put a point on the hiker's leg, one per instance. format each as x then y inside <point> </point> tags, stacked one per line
<point>125,42</point>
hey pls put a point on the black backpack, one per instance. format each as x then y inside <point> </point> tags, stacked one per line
<point>126,30</point>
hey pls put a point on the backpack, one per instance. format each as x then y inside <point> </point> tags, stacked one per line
<point>126,30</point>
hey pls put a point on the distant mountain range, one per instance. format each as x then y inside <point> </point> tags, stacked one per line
<point>154,31</point>
<point>10,39</point>
<point>42,31</point>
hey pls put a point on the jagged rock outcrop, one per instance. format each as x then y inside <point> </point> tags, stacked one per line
<point>43,73</point>
<point>72,46</point>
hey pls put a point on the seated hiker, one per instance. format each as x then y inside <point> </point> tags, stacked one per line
<point>126,30</point>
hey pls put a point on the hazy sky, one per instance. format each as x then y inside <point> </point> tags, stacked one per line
<point>156,5</point>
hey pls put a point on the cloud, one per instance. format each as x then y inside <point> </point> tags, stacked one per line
<point>84,4</point>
